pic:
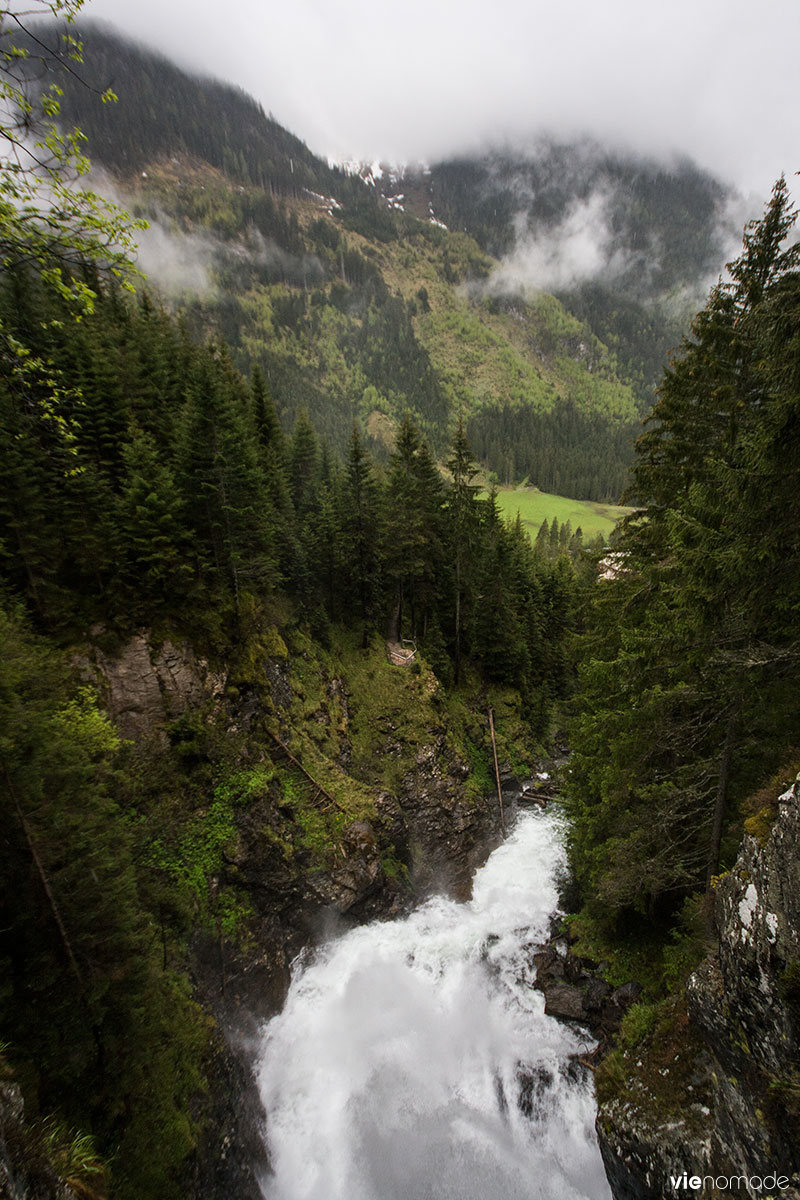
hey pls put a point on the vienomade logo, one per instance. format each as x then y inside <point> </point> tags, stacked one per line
<point>748,1183</point>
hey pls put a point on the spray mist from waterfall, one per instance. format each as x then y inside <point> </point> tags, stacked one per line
<point>413,1059</point>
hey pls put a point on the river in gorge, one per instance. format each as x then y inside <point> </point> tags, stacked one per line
<point>413,1059</point>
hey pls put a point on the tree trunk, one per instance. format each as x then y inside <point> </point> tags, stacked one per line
<point>722,795</point>
<point>45,882</point>
<point>497,775</point>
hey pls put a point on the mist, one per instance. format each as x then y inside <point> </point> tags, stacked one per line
<point>180,264</point>
<point>579,248</point>
<point>371,82</point>
<point>177,263</point>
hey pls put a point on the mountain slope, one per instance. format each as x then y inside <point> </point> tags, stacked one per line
<point>629,244</point>
<point>357,310</point>
<point>163,111</point>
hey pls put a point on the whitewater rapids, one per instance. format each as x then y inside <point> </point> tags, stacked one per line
<point>413,1059</point>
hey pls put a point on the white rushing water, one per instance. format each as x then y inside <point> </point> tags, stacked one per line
<point>413,1059</point>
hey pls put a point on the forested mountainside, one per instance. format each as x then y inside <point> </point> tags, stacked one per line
<point>665,220</point>
<point>213,741</point>
<point>629,245</point>
<point>685,735</point>
<point>658,235</point>
<point>172,561</point>
<point>357,310</point>
<point>176,112</point>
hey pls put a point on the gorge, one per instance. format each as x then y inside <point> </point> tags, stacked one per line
<point>270,649</point>
<point>414,1059</point>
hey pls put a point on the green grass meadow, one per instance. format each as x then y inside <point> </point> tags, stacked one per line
<point>535,507</point>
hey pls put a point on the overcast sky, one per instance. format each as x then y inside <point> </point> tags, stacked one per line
<point>418,79</point>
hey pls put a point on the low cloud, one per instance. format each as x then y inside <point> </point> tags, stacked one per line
<point>177,263</point>
<point>422,86</point>
<point>196,263</point>
<point>571,229</point>
<point>182,264</point>
<point>559,256</point>
<point>263,252</point>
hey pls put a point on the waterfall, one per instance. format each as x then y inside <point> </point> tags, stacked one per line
<point>413,1059</point>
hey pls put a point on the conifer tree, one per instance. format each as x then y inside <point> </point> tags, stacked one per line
<point>268,427</point>
<point>304,464</point>
<point>412,527</point>
<point>687,654</point>
<point>154,543</point>
<point>360,527</point>
<point>111,1031</point>
<point>223,486</point>
<point>462,531</point>
<point>543,537</point>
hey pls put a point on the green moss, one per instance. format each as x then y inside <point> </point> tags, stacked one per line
<point>612,1077</point>
<point>316,834</point>
<point>638,1022</point>
<point>480,781</point>
<point>657,1066</point>
<point>193,855</point>
<point>789,989</point>
<point>392,867</point>
<point>260,639</point>
<point>392,714</point>
<point>291,788</point>
<point>760,824</point>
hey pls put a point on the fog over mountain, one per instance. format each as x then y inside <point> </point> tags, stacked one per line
<point>429,80</point>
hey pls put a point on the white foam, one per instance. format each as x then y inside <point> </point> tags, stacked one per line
<point>397,1067</point>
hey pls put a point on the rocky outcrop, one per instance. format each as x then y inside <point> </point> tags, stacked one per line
<point>729,1104</point>
<point>295,867</point>
<point>26,1172</point>
<point>575,990</point>
<point>448,834</point>
<point>146,684</point>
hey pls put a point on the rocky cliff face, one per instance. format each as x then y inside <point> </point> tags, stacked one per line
<point>722,1100</point>
<point>145,684</point>
<point>425,830</point>
<point>27,1169</point>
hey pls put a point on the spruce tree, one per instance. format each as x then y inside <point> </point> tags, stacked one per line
<point>462,535</point>
<point>684,703</point>
<point>361,533</point>
<point>222,484</point>
<point>155,568</point>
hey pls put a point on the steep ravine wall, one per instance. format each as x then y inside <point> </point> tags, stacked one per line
<point>722,1102</point>
<point>425,820</point>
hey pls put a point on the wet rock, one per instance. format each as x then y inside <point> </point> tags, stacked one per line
<point>597,993</point>
<point>277,673</point>
<point>448,834</point>
<point>534,1084</point>
<point>360,837</point>
<point>146,685</point>
<point>626,995</point>
<point>742,1041</point>
<point>550,966</point>
<point>180,679</point>
<point>26,1173</point>
<point>575,990</point>
<point>565,1001</point>
<point>134,699</point>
